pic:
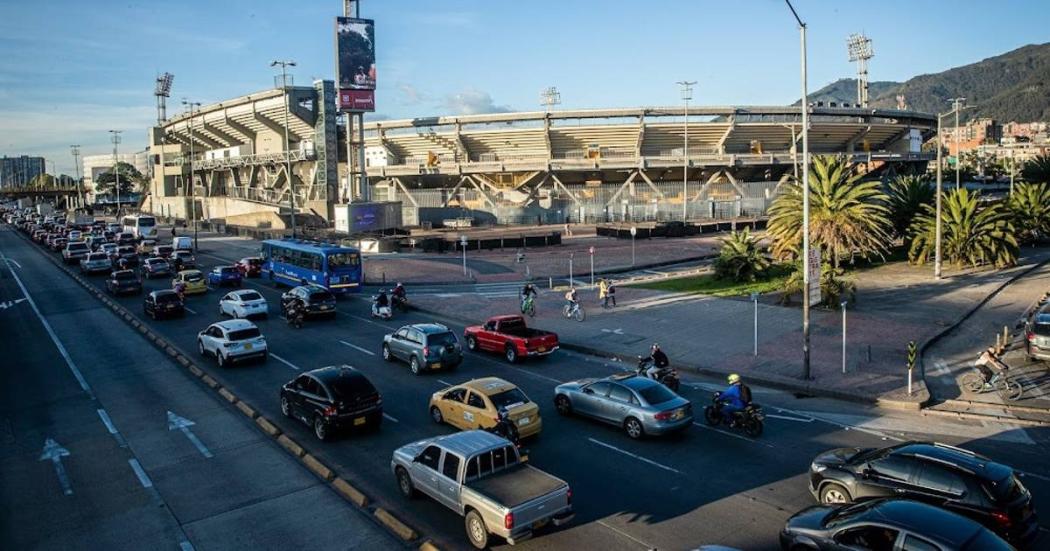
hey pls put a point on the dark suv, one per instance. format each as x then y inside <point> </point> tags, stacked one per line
<point>163,303</point>
<point>331,398</point>
<point>956,479</point>
<point>1037,335</point>
<point>316,300</point>
<point>424,346</point>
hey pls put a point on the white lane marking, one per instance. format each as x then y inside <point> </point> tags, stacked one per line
<point>844,426</point>
<point>445,295</point>
<point>446,383</point>
<point>111,428</point>
<point>1036,476</point>
<point>727,433</point>
<point>634,455</point>
<point>141,474</point>
<point>54,453</point>
<point>190,310</point>
<point>626,535</point>
<point>185,546</point>
<point>9,303</point>
<point>355,347</point>
<point>940,368</point>
<point>284,361</point>
<point>786,418</point>
<point>15,261</point>
<point>51,333</point>
<point>391,417</point>
<point>183,424</point>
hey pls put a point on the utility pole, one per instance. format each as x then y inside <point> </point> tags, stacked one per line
<point>287,147</point>
<point>687,94</point>
<point>805,196</point>
<point>75,149</point>
<point>937,231</point>
<point>115,138</point>
<point>957,106</point>
<point>193,187</point>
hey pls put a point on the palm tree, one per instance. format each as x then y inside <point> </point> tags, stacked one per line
<point>848,217</point>
<point>740,258</point>
<point>908,194</point>
<point>973,233</point>
<point>1030,204</point>
<point>1037,170</point>
<point>834,286</point>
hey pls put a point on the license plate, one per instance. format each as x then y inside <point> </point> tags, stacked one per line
<point>247,346</point>
<point>524,421</point>
<point>359,421</point>
<point>437,365</point>
<point>679,414</point>
<point>543,349</point>
<point>325,307</point>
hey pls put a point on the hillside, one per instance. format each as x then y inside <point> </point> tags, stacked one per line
<point>1014,86</point>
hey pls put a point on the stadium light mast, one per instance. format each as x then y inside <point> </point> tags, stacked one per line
<point>687,94</point>
<point>163,91</point>
<point>549,97</point>
<point>860,52</point>
<point>193,187</point>
<point>75,149</point>
<point>805,196</point>
<point>115,138</point>
<point>284,65</point>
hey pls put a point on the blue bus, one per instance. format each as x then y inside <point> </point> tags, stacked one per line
<point>293,262</point>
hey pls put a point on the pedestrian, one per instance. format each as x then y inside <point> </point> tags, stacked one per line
<point>603,292</point>
<point>174,233</point>
<point>610,293</point>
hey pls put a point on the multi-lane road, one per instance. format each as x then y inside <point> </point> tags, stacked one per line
<point>707,486</point>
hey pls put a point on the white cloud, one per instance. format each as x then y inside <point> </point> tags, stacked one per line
<point>473,102</point>
<point>411,94</point>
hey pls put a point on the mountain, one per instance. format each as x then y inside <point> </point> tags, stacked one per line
<point>1014,86</point>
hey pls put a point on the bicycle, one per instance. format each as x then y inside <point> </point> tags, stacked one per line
<point>1000,381</point>
<point>574,311</point>
<point>528,306</point>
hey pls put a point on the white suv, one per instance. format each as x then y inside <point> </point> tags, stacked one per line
<point>231,341</point>
<point>243,304</point>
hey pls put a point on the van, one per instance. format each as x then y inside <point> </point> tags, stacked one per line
<point>182,243</point>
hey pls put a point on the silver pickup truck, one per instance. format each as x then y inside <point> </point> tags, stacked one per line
<point>481,476</point>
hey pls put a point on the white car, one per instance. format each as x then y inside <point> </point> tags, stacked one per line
<point>242,304</point>
<point>231,341</point>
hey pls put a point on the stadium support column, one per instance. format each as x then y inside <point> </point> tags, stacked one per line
<point>287,147</point>
<point>687,94</point>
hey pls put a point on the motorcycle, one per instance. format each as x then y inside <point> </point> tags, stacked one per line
<point>399,303</point>
<point>749,420</point>
<point>668,376</point>
<point>506,429</point>
<point>381,312</point>
<point>295,315</point>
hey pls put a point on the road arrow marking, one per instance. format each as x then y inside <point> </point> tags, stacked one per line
<point>181,423</point>
<point>54,452</point>
<point>616,331</point>
<point>9,303</point>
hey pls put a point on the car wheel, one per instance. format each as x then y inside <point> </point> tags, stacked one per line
<point>320,429</point>
<point>435,415</point>
<point>286,408</point>
<point>404,483</point>
<point>222,312</point>
<point>386,353</point>
<point>220,359</point>
<point>472,343</point>
<point>476,531</point>
<point>414,365</point>
<point>563,405</point>
<point>511,353</point>
<point>633,427</point>
<point>834,494</point>
<point>200,346</point>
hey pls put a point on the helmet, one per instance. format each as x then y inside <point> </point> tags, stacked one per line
<point>399,284</point>
<point>733,378</point>
<point>656,346</point>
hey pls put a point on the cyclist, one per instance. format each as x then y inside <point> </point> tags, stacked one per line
<point>572,300</point>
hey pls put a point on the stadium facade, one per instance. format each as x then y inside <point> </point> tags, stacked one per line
<point>577,165</point>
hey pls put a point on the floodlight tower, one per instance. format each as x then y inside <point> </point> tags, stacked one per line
<point>549,97</point>
<point>163,91</point>
<point>860,51</point>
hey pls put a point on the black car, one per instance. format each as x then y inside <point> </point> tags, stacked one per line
<point>953,478</point>
<point>123,281</point>
<point>128,254</point>
<point>164,303</point>
<point>887,525</point>
<point>332,398</point>
<point>155,266</point>
<point>316,300</point>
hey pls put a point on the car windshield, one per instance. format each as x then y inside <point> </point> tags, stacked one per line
<point>165,298</point>
<point>227,271</point>
<point>124,276</point>
<point>253,261</point>
<point>1006,490</point>
<point>844,514</point>
<point>147,221</point>
<point>97,256</point>
<point>245,334</point>
<point>156,262</point>
<point>1042,328</point>
<point>320,295</point>
<point>441,339</point>
<point>164,249</point>
<point>508,398</point>
<point>77,246</point>
<point>657,394</point>
<point>251,295</point>
<point>349,387</point>
<point>193,277</point>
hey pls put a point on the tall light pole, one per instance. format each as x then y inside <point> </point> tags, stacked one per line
<point>193,187</point>
<point>937,231</point>
<point>75,149</point>
<point>956,107</point>
<point>805,196</point>
<point>284,65</point>
<point>116,175</point>
<point>687,94</point>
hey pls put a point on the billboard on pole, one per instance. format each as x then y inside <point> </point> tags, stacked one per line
<point>355,63</point>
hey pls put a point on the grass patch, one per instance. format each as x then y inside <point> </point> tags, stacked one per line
<point>707,284</point>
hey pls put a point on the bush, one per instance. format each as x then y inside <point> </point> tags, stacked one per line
<point>740,258</point>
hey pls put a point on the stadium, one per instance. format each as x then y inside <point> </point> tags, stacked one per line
<point>595,165</point>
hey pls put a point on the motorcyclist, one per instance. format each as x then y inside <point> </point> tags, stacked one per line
<point>659,359</point>
<point>735,398</point>
<point>180,289</point>
<point>381,300</point>
<point>295,313</point>
<point>505,427</point>
<point>527,291</point>
<point>399,293</point>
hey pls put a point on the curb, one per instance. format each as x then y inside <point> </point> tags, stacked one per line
<point>984,417</point>
<point>340,485</point>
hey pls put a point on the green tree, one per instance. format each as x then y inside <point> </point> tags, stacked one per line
<point>908,195</point>
<point>1036,170</point>
<point>973,233</point>
<point>740,259</point>
<point>834,286</point>
<point>1030,205</point>
<point>127,174</point>
<point>848,217</point>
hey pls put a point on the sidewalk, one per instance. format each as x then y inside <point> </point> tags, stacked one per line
<point>896,303</point>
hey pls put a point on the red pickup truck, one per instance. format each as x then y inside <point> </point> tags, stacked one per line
<point>510,336</point>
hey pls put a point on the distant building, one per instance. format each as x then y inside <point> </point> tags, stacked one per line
<point>97,165</point>
<point>983,131</point>
<point>19,171</point>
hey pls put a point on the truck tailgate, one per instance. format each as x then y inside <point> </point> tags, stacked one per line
<point>518,486</point>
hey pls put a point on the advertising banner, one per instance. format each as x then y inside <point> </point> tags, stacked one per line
<point>355,62</point>
<point>357,100</point>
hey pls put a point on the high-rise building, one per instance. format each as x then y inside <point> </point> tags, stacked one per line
<point>19,171</point>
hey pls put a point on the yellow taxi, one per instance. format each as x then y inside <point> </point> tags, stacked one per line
<point>475,405</point>
<point>194,281</point>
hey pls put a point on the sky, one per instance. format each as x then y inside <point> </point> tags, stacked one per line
<point>72,70</point>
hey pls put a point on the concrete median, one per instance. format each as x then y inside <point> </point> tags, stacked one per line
<point>291,445</point>
<point>247,410</point>
<point>208,380</point>
<point>429,546</point>
<point>395,525</point>
<point>267,426</point>
<point>227,395</point>
<point>349,492</point>
<point>320,469</point>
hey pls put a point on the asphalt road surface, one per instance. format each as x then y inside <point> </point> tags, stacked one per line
<point>706,486</point>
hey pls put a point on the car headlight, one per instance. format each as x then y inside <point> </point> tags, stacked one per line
<point>817,467</point>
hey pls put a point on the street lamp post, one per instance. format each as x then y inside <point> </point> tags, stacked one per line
<point>843,304</point>
<point>116,175</point>
<point>956,107</point>
<point>805,196</point>
<point>287,148</point>
<point>75,149</point>
<point>571,255</point>
<point>634,232</point>
<point>591,251</point>
<point>754,298</point>
<point>463,245</point>
<point>687,94</point>
<point>193,187</point>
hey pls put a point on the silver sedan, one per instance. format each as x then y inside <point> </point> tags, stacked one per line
<point>638,404</point>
